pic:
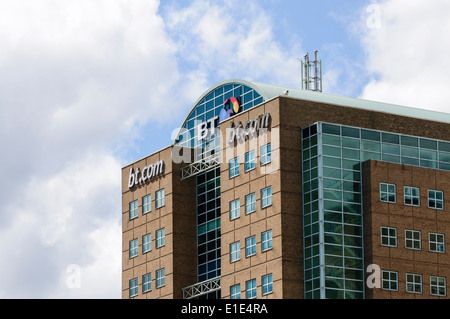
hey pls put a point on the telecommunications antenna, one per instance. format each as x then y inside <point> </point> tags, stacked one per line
<point>312,73</point>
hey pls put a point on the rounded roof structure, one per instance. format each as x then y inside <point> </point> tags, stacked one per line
<point>269,91</point>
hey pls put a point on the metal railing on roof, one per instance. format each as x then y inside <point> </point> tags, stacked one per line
<point>200,166</point>
<point>201,288</point>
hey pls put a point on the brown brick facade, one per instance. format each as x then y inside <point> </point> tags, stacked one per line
<point>402,217</point>
<point>283,217</point>
<point>176,217</point>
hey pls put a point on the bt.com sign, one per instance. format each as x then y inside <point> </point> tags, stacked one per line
<point>136,177</point>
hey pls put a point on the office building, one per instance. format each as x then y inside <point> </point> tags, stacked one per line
<point>284,193</point>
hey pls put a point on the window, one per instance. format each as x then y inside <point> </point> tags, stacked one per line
<point>146,204</point>
<point>250,203</point>
<point>160,277</point>
<point>265,154</point>
<point>133,209</point>
<point>234,167</point>
<point>235,251</point>
<point>146,283</point>
<point>267,286</point>
<point>250,246</point>
<point>159,198</point>
<point>250,287</point>
<point>266,240</point>
<point>146,243</point>
<point>389,280</point>
<point>250,161</point>
<point>266,197</point>
<point>437,242</point>
<point>412,196</point>
<point>235,291</point>
<point>133,287</point>
<point>412,239</point>
<point>438,286</point>
<point>388,236</point>
<point>133,248</point>
<point>160,237</point>
<point>387,193</point>
<point>435,199</point>
<point>414,283</point>
<point>235,209</point>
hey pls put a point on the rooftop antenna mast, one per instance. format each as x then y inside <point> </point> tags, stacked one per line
<point>312,73</point>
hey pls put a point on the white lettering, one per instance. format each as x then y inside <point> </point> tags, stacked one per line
<point>157,168</point>
<point>184,158</point>
<point>193,309</point>
<point>144,174</point>
<point>74,278</point>
<point>374,19</point>
<point>240,132</point>
<point>202,131</point>
<point>374,279</point>
<point>202,128</point>
<point>136,176</point>
<point>231,133</point>
<point>148,173</point>
<point>131,179</point>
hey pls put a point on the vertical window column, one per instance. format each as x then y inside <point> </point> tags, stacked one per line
<point>266,154</point>
<point>160,237</point>
<point>267,284</point>
<point>435,199</point>
<point>134,209</point>
<point>250,289</point>
<point>250,161</point>
<point>235,209</point>
<point>159,198</point>
<point>133,287</point>
<point>387,193</point>
<point>133,248</point>
<point>146,204</point>
<point>234,167</point>
<point>266,197</point>
<point>412,196</point>
<point>235,291</point>
<point>160,278</point>
<point>235,252</point>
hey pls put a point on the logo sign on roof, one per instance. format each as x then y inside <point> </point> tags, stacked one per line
<point>230,107</point>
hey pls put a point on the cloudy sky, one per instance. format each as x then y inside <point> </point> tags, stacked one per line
<point>87,86</point>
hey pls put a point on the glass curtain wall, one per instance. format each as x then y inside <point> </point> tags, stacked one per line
<point>208,229</point>
<point>208,183</point>
<point>332,199</point>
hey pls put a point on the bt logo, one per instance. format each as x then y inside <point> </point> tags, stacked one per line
<point>233,108</point>
<point>230,107</point>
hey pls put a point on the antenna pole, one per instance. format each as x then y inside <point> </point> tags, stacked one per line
<point>312,82</point>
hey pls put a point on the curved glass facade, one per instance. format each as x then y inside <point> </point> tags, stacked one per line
<point>208,108</point>
<point>208,183</point>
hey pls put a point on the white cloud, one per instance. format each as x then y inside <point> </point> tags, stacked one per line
<point>77,80</point>
<point>226,39</point>
<point>70,217</point>
<point>102,277</point>
<point>407,53</point>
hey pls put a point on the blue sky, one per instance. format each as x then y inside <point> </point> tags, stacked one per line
<point>88,86</point>
<point>296,27</point>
